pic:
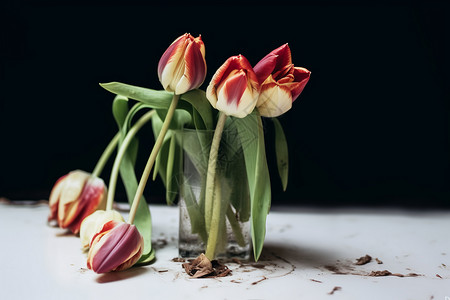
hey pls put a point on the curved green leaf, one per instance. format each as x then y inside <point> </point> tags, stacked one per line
<point>281,151</point>
<point>154,98</point>
<point>162,99</point>
<point>251,133</point>
<point>120,109</point>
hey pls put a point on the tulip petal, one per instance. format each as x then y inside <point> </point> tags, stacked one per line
<point>234,87</point>
<point>168,55</point>
<point>284,56</point>
<point>265,67</point>
<point>92,198</point>
<point>118,246</point>
<point>275,60</point>
<point>55,195</point>
<point>94,223</point>
<point>301,78</point>
<point>68,203</point>
<point>174,68</point>
<point>275,100</point>
<point>194,69</point>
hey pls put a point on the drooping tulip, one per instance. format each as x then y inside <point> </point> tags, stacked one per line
<point>117,246</point>
<point>94,223</point>
<point>182,67</point>
<point>281,82</point>
<point>74,197</point>
<point>234,88</point>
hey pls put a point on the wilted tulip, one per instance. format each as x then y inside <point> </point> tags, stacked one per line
<point>74,197</point>
<point>234,88</point>
<point>117,246</point>
<point>183,67</point>
<point>94,223</point>
<point>281,82</point>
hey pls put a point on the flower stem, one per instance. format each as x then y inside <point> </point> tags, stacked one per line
<point>105,155</point>
<point>212,204</point>
<point>120,154</point>
<point>152,158</point>
<point>234,223</point>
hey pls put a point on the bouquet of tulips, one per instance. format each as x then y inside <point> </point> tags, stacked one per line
<point>237,91</point>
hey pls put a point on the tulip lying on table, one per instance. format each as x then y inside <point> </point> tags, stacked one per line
<point>74,197</point>
<point>117,246</point>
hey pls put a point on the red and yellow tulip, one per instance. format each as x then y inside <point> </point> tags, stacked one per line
<point>116,247</point>
<point>281,82</point>
<point>74,197</point>
<point>234,88</point>
<point>182,67</point>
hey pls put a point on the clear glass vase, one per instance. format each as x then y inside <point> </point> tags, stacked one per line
<point>231,185</point>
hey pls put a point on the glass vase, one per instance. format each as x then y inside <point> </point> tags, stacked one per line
<point>231,185</point>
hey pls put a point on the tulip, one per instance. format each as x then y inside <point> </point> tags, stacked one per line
<point>74,197</point>
<point>94,223</point>
<point>116,247</point>
<point>182,67</point>
<point>281,82</point>
<point>234,88</point>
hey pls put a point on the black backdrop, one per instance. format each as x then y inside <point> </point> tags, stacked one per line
<point>371,127</point>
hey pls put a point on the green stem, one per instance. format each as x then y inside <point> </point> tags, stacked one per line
<point>216,222</point>
<point>151,159</point>
<point>105,155</point>
<point>120,154</point>
<point>213,205</point>
<point>235,227</point>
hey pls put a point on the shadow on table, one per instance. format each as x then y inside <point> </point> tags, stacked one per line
<point>122,275</point>
<point>298,256</point>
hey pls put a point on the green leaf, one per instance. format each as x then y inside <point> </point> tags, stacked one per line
<point>143,219</point>
<point>197,98</point>
<point>146,259</point>
<point>196,217</point>
<point>168,161</point>
<point>251,134</point>
<point>120,109</point>
<point>154,98</point>
<point>162,99</point>
<point>281,150</point>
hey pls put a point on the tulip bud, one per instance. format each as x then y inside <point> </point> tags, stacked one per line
<point>234,88</point>
<point>74,197</point>
<point>183,67</point>
<point>94,223</point>
<point>281,82</point>
<point>117,246</point>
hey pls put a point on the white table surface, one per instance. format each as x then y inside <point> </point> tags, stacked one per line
<point>43,262</point>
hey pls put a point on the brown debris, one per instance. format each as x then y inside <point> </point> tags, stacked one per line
<point>438,276</point>
<point>178,259</point>
<point>335,270</point>
<point>236,260</point>
<point>258,266</point>
<point>315,280</point>
<point>378,261</point>
<point>256,282</point>
<point>388,273</point>
<point>380,273</point>
<point>363,260</point>
<point>336,288</point>
<point>202,267</point>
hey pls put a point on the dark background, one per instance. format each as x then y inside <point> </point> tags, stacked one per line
<point>371,127</point>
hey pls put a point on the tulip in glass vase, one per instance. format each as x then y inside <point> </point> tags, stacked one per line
<point>210,147</point>
<point>234,239</point>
